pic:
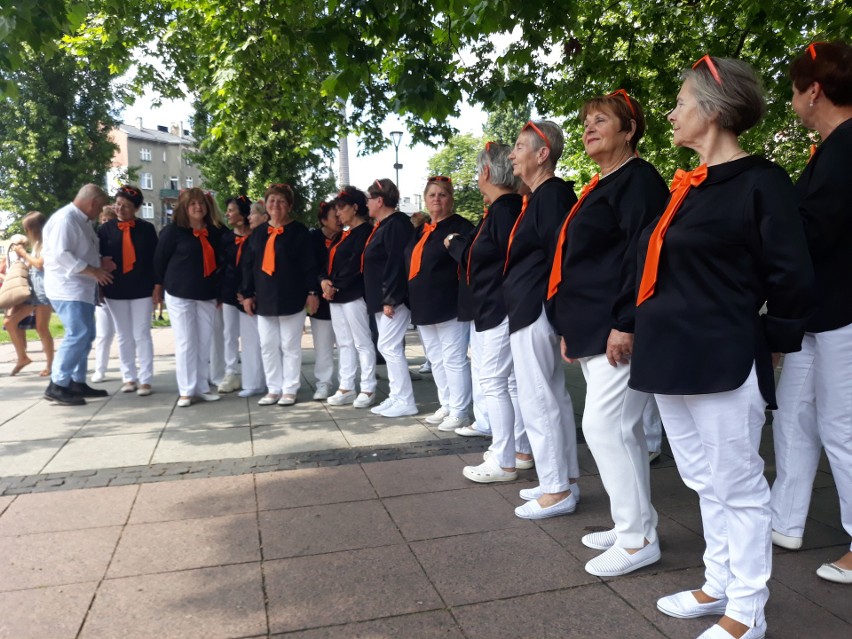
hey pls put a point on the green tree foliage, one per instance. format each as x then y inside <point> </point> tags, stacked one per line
<point>505,121</point>
<point>55,132</point>
<point>457,160</point>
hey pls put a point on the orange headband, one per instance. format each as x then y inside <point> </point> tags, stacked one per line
<point>627,99</point>
<point>531,125</point>
<point>713,70</point>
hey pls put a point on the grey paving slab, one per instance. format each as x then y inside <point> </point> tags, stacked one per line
<point>304,412</point>
<point>27,428</point>
<point>48,512</point>
<point>114,451</point>
<point>56,612</point>
<point>797,571</point>
<point>376,431</point>
<point>12,405</point>
<point>27,457</point>
<point>406,477</point>
<point>206,603</point>
<point>128,417</point>
<point>194,498</point>
<point>426,625</point>
<point>229,412</point>
<point>177,445</point>
<point>297,437</point>
<point>313,486</point>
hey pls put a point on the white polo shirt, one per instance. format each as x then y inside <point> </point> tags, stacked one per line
<point>70,244</point>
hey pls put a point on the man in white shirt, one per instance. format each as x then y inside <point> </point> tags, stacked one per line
<point>72,273</point>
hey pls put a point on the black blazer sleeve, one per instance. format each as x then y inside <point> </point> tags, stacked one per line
<point>163,253</point>
<point>395,275</point>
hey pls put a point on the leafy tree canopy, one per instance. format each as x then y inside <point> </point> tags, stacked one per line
<point>457,160</point>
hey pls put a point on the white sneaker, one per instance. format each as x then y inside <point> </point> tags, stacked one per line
<point>450,424</point>
<point>363,400</point>
<point>98,377</point>
<point>470,431</point>
<point>438,416</point>
<point>386,403</point>
<point>399,410</point>
<point>230,384</point>
<point>341,399</point>
<point>210,397</point>
<point>322,392</point>
<point>488,472</point>
<point>520,464</point>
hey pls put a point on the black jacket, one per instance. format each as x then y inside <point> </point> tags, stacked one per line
<point>321,246</point>
<point>346,275</point>
<point>139,281</point>
<point>385,272</point>
<point>232,274</point>
<point>179,263</point>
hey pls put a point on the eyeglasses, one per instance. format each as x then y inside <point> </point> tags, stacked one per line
<point>537,131</point>
<point>439,178</point>
<point>280,185</point>
<point>627,99</point>
<point>812,49</point>
<point>712,67</point>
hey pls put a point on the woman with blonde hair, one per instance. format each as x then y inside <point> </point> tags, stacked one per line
<point>187,264</point>
<point>33,224</point>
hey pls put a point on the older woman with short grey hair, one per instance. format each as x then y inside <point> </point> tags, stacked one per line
<point>728,241</point>
<point>481,257</point>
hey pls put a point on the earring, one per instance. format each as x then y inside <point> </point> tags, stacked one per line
<point>811,105</point>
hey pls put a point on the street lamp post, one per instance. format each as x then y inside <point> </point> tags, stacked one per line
<point>396,137</point>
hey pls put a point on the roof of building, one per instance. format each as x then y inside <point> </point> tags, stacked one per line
<point>155,135</point>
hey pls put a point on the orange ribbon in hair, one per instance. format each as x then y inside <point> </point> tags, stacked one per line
<point>334,250</point>
<point>512,234</point>
<point>206,251</point>
<point>556,268</point>
<point>682,183</point>
<point>268,265</point>
<point>417,253</point>
<point>128,251</point>
<point>238,240</point>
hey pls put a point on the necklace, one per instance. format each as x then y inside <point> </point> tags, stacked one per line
<point>740,152</point>
<point>603,175</point>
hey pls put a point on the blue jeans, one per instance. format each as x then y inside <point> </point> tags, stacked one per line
<point>78,318</point>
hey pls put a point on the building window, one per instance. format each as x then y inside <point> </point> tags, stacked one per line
<point>145,155</point>
<point>189,182</point>
<point>147,211</point>
<point>164,156</point>
<point>147,181</point>
<point>175,183</point>
<point>187,160</point>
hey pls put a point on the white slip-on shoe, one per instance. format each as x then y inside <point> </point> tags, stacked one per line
<point>378,408</point>
<point>684,605</point>
<point>835,574</point>
<point>144,390</point>
<point>128,387</point>
<point>470,431</point>
<point>398,409</point>
<point>210,397</point>
<point>183,402</point>
<point>341,399</point>
<point>450,424</point>
<point>601,540</point>
<point>533,510</point>
<point>364,400</point>
<point>438,416</point>
<point>488,473</point>
<point>616,561</point>
<point>520,464</point>
<point>268,400</point>
<point>718,632</point>
<point>230,384</point>
<point>251,392</point>
<point>529,494</point>
<point>322,392</point>
<point>425,368</point>
<point>287,400</point>
<point>98,377</point>
<point>785,541</point>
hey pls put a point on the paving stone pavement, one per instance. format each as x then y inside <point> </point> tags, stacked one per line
<point>129,518</point>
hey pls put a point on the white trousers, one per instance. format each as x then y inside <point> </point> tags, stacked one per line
<point>480,410</point>
<point>545,404</point>
<point>281,350</point>
<point>192,323</point>
<point>446,347</point>
<point>715,440</point>
<point>132,320</point>
<point>391,345</point>
<point>217,348</point>
<point>322,334</point>
<point>104,332</point>
<point>354,344</point>
<point>814,410</point>
<point>231,339</point>
<point>652,425</point>
<point>612,425</point>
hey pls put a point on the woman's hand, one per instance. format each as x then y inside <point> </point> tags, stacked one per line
<point>388,311</point>
<point>312,303</point>
<point>328,290</point>
<point>619,347</point>
<point>562,349</point>
<point>20,250</point>
<point>449,239</point>
<point>157,295</point>
<point>248,306</point>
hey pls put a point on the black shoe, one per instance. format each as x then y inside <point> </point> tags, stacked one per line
<point>62,395</point>
<point>82,389</point>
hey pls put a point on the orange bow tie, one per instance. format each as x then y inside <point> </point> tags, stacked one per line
<point>268,265</point>
<point>128,251</point>
<point>417,253</point>
<point>239,240</point>
<point>333,250</point>
<point>683,181</point>
<point>556,268</point>
<point>206,251</point>
<point>515,228</point>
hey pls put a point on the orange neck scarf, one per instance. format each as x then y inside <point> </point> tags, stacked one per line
<point>128,251</point>
<point>683,181</point>
<point>367,243</point>
<point>556,268</point>
<point>238,240</point>
<point>268,265</point>
<point>206,251</point>
<point>417,253</point>
<point>476,237</point>
<point>333,250</point>
<point>515,228</point>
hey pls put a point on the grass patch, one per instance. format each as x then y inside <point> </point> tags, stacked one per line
<point>57,330</point>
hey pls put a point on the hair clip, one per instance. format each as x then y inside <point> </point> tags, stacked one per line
<point>627,99</point>
<point>531,125</point>
<point>812,49</point>
<point>713,70</point>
